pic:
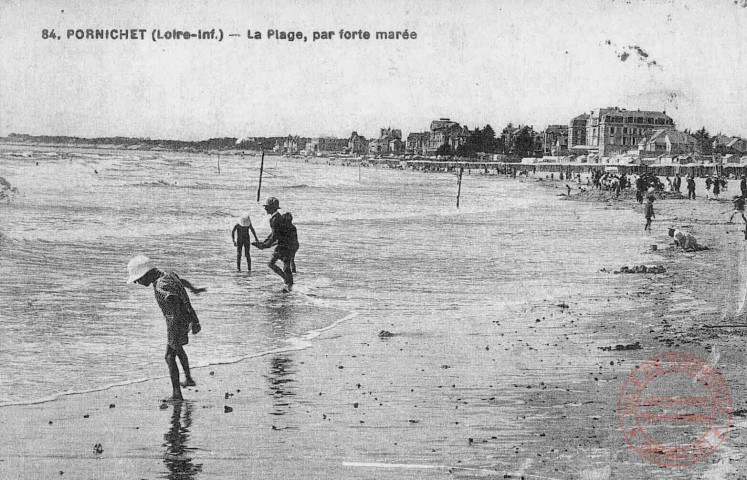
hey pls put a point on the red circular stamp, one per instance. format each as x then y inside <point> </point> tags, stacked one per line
<point>674,409</point>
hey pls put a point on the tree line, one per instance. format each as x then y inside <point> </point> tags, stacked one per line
<point>221,143</point>
<point>484,141</point>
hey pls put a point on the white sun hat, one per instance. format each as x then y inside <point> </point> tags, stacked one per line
<point>139,266</point>
<point>245,221</point>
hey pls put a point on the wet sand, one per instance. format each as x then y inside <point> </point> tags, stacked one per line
<point>532,397</point>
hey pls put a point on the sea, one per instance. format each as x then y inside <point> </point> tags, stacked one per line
<point>387,243</point>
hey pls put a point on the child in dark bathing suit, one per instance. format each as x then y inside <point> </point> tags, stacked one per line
<point>241,239</point>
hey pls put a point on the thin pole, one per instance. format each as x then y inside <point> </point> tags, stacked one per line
<point>459,184</point>
<point>359,171</point>
<point>219,164</point>
<point>261,168</point>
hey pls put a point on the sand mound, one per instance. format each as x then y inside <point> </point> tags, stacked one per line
<point>594,195</point>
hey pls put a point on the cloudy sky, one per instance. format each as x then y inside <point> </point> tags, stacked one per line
<point>535,62</point>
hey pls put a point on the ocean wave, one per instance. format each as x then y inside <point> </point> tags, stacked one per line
<point>292,344</point>
<point>222,213</point>
<point>157,183</point>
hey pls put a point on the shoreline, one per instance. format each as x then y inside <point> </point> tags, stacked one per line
<point>295,344</point>
<point>423,402</point>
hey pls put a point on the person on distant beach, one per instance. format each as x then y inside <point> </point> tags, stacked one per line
<point>241,239</point>
<point>649,212</point>
<point>708,183</point>
<point>685,241</point>
<point>738,202</point>
<point>677,182</point>
<point>716,188</point>
<point>180,317</point>
<point>285,237</point>
<point>743,186</point>
<point>640,186</point>
<point>690,188</point>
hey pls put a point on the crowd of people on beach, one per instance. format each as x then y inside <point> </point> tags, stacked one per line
<point>649,186</point>
<point>171,291</point>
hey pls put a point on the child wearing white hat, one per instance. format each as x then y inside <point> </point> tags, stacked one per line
<point>177,310</point>
<point>243,240</point>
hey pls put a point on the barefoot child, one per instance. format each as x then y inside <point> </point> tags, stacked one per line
<point>243,240</point>
<point>285,239</point>
<point>177,309</point>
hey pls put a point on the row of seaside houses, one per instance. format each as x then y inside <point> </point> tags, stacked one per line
<point>442,132</point>
<point>603,132</point>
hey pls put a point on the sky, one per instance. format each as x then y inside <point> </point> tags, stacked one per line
<point>534,62</point>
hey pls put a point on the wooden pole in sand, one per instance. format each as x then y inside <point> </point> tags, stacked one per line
<point>219,164</point>
<point>459,184</point>
<point>261,168</point>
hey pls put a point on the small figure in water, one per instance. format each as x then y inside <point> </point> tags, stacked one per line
<point>285,237</point>
<point>180,317</point>
<point>241,239</point>
<point>289,216</point>
<point>649,212</point>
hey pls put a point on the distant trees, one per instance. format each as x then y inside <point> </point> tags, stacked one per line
<point>704,145</point>
<point>220,143</point>
<point>507,138</point>
<point>445,150</point>
<point>520,141</point>
<point>524,143</point>
<point>480,141</point>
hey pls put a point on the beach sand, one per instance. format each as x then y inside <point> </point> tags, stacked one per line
<point>533,397</point>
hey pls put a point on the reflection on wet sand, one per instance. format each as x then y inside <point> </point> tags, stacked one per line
<point>177,457</point>
<point>282,316</point>
<point>282,386</point>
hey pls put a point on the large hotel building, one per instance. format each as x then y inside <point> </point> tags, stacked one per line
<point>613,130</point>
